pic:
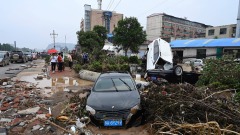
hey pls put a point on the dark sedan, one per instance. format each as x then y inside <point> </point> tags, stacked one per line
<point>114,101</point>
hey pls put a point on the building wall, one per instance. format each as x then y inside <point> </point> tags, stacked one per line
<point>170,28</point>
<point>230,31</point>
<point>190,53</point>
<point>154,24</point>
<point>97,18</point>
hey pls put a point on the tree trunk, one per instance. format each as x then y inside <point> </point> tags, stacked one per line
<point>126,52</point>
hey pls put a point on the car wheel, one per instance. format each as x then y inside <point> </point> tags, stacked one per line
<point>177,70</point>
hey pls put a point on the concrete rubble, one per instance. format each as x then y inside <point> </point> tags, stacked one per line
<point>25,109</point>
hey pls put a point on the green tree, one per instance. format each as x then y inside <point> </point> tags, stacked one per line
<point>88,40</point>
<point>102,33</point>
<point>129,34</point>
<point>6,47</point>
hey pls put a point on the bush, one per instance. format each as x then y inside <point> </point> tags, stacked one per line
<point>96,66</point>
<point>47,59</point>
<point>77,67</point>
<point>134,60</point>
<point>221,73</point>
<point>125,67</point>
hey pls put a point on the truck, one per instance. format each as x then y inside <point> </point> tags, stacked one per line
<point>160,65</point>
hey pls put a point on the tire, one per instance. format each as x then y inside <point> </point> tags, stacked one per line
<point>177,70</point>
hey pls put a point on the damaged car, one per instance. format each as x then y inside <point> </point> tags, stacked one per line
<point>114,101</point>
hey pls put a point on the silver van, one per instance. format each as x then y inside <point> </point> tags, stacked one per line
<point>4,58</point>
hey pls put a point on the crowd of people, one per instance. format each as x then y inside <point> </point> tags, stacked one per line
<point>57,61</point>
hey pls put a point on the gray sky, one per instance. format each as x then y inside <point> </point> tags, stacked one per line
<point>30,22</point>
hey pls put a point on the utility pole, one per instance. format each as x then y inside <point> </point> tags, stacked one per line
<point>65,43</point>
<point>53,34</point>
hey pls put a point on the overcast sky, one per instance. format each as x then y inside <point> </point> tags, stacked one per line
<point>30,22</point>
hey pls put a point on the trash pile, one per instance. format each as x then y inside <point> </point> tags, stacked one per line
<point>185,109</point>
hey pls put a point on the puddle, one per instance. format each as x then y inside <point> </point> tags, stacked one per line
<point>53,85</point>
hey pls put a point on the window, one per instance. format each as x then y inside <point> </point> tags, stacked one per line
<point>201,53</point>
<point>223,31</point>
<point>210,32</point>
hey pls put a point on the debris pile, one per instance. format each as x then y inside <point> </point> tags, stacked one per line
<point>176,108</point>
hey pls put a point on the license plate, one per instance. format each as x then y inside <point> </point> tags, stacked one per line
<point>153,78</point>
<point>112,123</point>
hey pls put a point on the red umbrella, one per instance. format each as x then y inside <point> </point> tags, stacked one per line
<point>50,51</point>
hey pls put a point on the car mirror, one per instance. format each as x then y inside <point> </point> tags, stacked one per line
<point>139,85</point>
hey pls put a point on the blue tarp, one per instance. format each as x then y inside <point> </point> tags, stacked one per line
<point>223,42</point>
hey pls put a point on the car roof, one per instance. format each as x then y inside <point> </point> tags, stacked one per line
<point>115,74</point>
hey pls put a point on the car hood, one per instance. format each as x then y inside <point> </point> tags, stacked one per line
<point>120,100</point>
<point>1,59</point>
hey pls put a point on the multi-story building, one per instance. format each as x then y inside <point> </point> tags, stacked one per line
<point>225,31</point>
<point>93,17</point>
<point>171,28</point>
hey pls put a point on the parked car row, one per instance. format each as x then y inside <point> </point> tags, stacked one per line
<point>16,56</point>
<point>4,58</point>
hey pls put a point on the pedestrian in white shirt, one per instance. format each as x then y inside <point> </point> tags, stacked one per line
<point>53,60</point>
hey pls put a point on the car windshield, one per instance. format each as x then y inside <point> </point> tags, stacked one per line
<point>114,84</point>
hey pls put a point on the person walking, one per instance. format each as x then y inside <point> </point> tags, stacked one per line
<point>63,65</point>
<point>70,61</point>
<point>53,61</point>
<point>60,62</point>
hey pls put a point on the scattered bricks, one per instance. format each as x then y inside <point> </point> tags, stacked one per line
<point>15,105</point>
<point>17,129</point>
<point>1,96</point>
<point>16,100</point>
<point>26,95</point>
<point>3,108</point>
<point>34,123</point>
<point>48,115</point>
<point>16,121</point>
<point>6,105</point>
<point>40,112</point>
<point>2,90</point>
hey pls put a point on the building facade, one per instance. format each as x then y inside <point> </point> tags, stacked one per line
<point>93,17</point>
<point>171,28</point>
<point>205,48</point>
<point>226,31</point>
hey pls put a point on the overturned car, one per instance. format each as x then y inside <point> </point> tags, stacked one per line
<point>160,65</point>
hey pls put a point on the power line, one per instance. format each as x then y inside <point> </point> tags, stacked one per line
<point>109,4</point>
<point>157,5</point>
<point>117,5</point>
<point>53,34</point>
